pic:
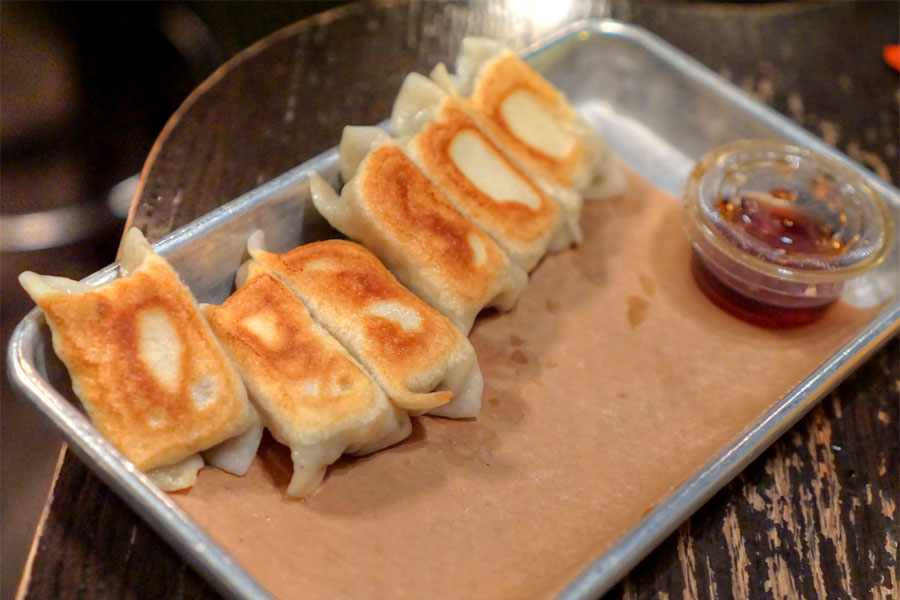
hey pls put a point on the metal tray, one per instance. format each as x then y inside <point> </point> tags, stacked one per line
<point>625,82</point>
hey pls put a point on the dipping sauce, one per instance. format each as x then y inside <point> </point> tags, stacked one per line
<point>748,309</point>
<point>781,226</point>
<point>777,230</point>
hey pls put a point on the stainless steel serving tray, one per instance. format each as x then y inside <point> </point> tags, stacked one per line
<point>628,84</point>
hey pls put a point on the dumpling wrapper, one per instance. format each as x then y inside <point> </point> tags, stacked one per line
<point>476,176</point>
<point>530,119</point>
<point>408,348</point>
<point>419,102</point>
<point>146,366</point>
<point>394,210</point>
<point>312,395</point>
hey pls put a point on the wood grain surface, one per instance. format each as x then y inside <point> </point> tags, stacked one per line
<point>814,517</point>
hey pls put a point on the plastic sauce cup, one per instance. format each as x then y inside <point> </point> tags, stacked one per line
<point>777,230</point>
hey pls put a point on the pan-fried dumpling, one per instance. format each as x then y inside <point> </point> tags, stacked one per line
<point>454,151</point>
<point>145,365</point>
<point>409,348</point>
<point>312,396</point>
<point>529,118</point>
<point>393,209</point>
<point>480,181</point>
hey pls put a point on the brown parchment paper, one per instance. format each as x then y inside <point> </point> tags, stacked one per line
<point>612,381</point>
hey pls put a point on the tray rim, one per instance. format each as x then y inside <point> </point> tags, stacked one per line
<point>220,570</point>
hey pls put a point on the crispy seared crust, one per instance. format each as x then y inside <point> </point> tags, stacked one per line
<point>284,355</point>
<point>500,78</point>
<point>152,421</point>
<point>401,216</point>
<point>517,227</point>
<point>343,284</point>
<point>415,213</point>
<point>313,397</point>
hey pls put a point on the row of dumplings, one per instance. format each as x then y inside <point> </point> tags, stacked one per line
<point>333,345</point>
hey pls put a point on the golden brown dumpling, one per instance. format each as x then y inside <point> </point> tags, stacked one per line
<point>394,210</point>
<point>312,396</point>
<point>412,351</point>
<point>145,365</point>
<point>530,119</point>
<point>477,177</point>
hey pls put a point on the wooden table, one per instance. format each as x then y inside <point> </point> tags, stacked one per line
<point>815,516</point>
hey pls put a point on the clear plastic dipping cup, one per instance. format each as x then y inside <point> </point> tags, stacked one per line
<point>777,230</point>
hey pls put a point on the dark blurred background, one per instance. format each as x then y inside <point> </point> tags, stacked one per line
<point>85,88</point>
